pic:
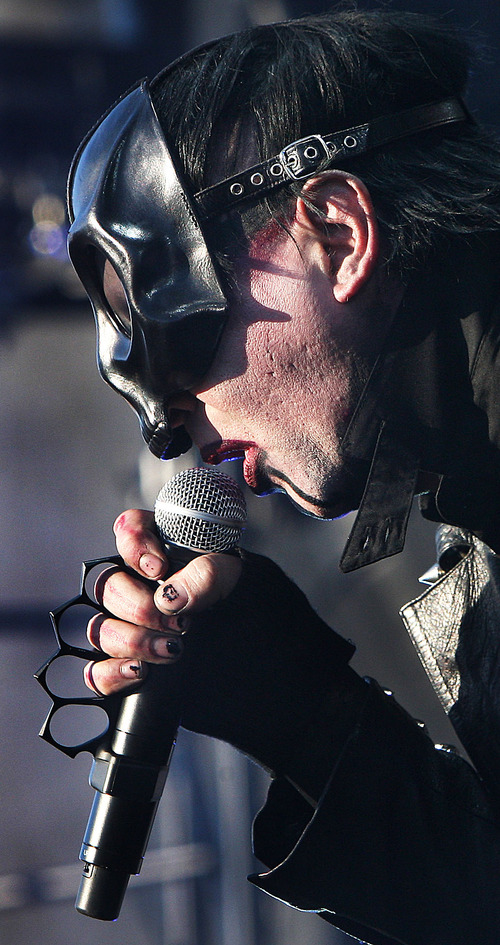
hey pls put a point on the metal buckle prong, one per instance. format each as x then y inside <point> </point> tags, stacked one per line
<point>302,156</point>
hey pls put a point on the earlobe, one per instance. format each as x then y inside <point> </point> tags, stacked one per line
<point>336,210</point>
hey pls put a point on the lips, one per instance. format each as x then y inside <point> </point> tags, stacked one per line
<point>234,449</point>
<point>250,467</point>
<point>216,453</point>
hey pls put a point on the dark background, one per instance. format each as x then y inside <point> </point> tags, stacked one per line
<point>72,459</point>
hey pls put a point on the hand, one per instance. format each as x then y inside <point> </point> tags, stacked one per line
<point>258,667</point>
<point>150,623</point>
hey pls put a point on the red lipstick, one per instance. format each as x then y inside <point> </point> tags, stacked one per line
<point>216,453</point>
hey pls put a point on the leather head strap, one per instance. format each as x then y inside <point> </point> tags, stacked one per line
<point>304,158</point>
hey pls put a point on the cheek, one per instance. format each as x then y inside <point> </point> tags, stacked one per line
<point>261,368</point>
<point>258,393</point>
<point>269,347</point>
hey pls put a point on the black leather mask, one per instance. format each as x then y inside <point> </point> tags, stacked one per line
<point>129,207</point>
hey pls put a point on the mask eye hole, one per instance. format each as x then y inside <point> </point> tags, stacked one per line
<point>116,299</point>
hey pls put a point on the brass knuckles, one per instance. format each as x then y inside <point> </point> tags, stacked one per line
<point>110,704</point>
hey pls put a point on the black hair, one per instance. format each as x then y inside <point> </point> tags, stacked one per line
<point>274,84</point>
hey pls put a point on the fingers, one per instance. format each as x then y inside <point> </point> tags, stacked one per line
<point>131,600</point>
<point>134,633</point>
<point>141,627</point>
<point>199,585</point>
<point>138,543</point>
<point>132,648</point>
<point>124,640</point>
<point>206,580</point>
<point>110,676</point>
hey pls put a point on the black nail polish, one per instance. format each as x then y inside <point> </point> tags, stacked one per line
<point>173,647</point>
<point>170,592</point>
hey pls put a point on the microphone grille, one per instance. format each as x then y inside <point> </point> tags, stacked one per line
<point>201,510</point>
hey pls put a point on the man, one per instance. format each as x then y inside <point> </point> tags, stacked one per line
<point>290,241</point>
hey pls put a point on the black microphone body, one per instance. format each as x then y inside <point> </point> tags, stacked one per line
<point>131,765</point>
<point>128,777</point>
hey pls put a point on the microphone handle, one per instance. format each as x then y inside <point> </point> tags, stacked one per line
<point>130,768</point>
<point>128,774</point>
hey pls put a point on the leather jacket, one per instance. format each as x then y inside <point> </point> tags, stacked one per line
<point>404,844</point>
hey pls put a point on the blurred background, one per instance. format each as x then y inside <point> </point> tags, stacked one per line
<point>72,459</point>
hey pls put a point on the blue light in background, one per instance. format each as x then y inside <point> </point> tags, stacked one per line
<point>121,21</point>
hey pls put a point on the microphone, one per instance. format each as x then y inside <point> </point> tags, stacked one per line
<point>198,511</point>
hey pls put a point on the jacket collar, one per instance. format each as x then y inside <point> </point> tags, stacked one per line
<point>423,406</point>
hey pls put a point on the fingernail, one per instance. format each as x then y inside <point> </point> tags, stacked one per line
<point>173,597</point>
<point>132,670</point>
<point>151,565</point>
<point>167,647</point>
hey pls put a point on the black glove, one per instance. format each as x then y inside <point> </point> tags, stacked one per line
<point>263,672</point>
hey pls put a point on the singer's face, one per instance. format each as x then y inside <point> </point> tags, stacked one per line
<point>285,380</point>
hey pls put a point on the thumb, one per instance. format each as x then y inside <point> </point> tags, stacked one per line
<point>206,580</point>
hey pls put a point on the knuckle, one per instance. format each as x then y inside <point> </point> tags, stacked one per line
<point>210,578</point>
<point>141,610</point>
<point>121,521</point>
<point>213,577</point>
<point>230,569</point>
<point>125,531</point>
<point>203,574</point>
<point>129,522</point>
<point>104,582</point>
<point>141,615</point>
<point>130,547</point>
<point>133,535</point>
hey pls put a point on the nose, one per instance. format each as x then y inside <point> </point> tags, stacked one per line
<point>180,407</point>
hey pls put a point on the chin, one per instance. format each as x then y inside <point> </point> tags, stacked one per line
<point>325,509</point>
<point>333,500</point>
<point>325,513</point>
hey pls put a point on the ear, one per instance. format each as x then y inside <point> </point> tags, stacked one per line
<point>336,211</point>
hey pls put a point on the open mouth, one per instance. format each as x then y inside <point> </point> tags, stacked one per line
<point>234,449</point>
<point>216,453</point>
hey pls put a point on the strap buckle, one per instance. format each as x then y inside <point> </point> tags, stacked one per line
<point>301,157</point>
